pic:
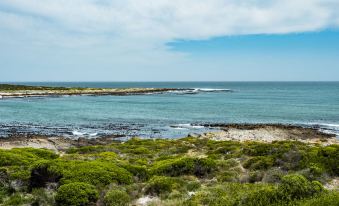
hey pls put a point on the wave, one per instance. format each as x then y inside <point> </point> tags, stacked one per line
<point>198,90</point>
<point>211,90</point>
<point>329,128</point>
<point>327,125</point>
<point>83,134</point>
<point>187,126</point>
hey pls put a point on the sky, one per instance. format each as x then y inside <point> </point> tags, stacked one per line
<point>169,40</point>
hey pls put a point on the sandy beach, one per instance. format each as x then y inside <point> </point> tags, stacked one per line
<point>269,133</point>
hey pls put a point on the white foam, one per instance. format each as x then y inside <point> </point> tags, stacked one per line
<point>326,125</point>
<point>329,128</point>
<point>77,133</point>
<point>93,134</point>
<point>187,126</point>
<point>211,90</point>
<point>198,90</point>
<point>329,125</point>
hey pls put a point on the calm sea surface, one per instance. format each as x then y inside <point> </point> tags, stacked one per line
<point>173,114</point>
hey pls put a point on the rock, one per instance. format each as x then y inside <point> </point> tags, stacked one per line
<point>195,135</point>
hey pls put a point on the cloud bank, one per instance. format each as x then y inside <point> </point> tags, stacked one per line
<point>128,39</point>
<point>159,21</point>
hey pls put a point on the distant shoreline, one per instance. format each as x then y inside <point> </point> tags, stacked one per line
<point>22,91</point>
<point>228,132</point>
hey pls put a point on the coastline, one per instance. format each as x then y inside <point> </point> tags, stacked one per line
<point>265,133</point>
<point>269,133</point>
<point>84,91</point>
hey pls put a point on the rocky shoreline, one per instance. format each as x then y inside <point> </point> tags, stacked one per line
<point>227,132</point>
<point>83,91</point>
<point>50,142</point>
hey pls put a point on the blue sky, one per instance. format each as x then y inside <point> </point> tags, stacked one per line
<point>162,40</point>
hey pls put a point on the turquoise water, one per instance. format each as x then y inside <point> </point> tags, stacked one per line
<point>173,114</point>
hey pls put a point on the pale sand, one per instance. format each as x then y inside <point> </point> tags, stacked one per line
<point>53,143</point>
<point>269,133</point>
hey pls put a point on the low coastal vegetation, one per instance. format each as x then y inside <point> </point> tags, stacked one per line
<point>14,87</point>
<point>11,90</point>
<point>188,171</point>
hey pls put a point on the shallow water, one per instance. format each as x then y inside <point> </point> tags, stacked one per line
<point>172,114</point>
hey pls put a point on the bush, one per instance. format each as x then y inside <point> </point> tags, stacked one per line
<point>184,166</point>
<point>225,194</point>
<point>160,185</point>
<point>273,175</point>
<point>41,175</point>
<point>256,176</point>
<point>93,172</point>
<point>258,163</point>
<point>228,176</point>
<point>116,197</point>
<point>297,187</point>
<point>140,150</point>
<point>42,197</point>
<point>263,197</point>
<point>325,199</point>
<point>24,156</point>
<point>292,188</point>
<point>140,172</point>
<point>329,156</point>
<point>192,186</point>
<point>76,194</point>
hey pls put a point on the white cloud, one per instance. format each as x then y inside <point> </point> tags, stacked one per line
<point>165,20</point>
<point>132,34</point>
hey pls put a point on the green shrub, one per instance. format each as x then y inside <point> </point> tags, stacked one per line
<point>39,153</point>
<point>160,185</point>
<point>256,176</point>
<point>184,166</point>
<point>273,175</point>
<point>292,160</point>
<point>93,172</point>
<point>259,162</point>
<point>76,194</point>
<point>193,185</point>
<point>117,197</point>
<point>325,199</point>
<point>228,176</point>
<point>17,199</point>
<point>329,157</point>
<point>297,187</point>
<point>42,198</point>
<point>258,149</point>
<point>225,194</point>
<point>24,156</point>
<point>3,193</point>
<point>262,197</point>
<point>87,149</point>
<point>141,150</point>
<point>140,172</point>
<point>41,175</point>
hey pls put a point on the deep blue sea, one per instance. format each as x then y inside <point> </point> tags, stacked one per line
<point>172,114</point>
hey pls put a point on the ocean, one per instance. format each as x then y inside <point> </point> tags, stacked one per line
<point>172,114</point>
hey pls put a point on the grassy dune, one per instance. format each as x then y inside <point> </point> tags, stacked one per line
<point>187,171</point>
